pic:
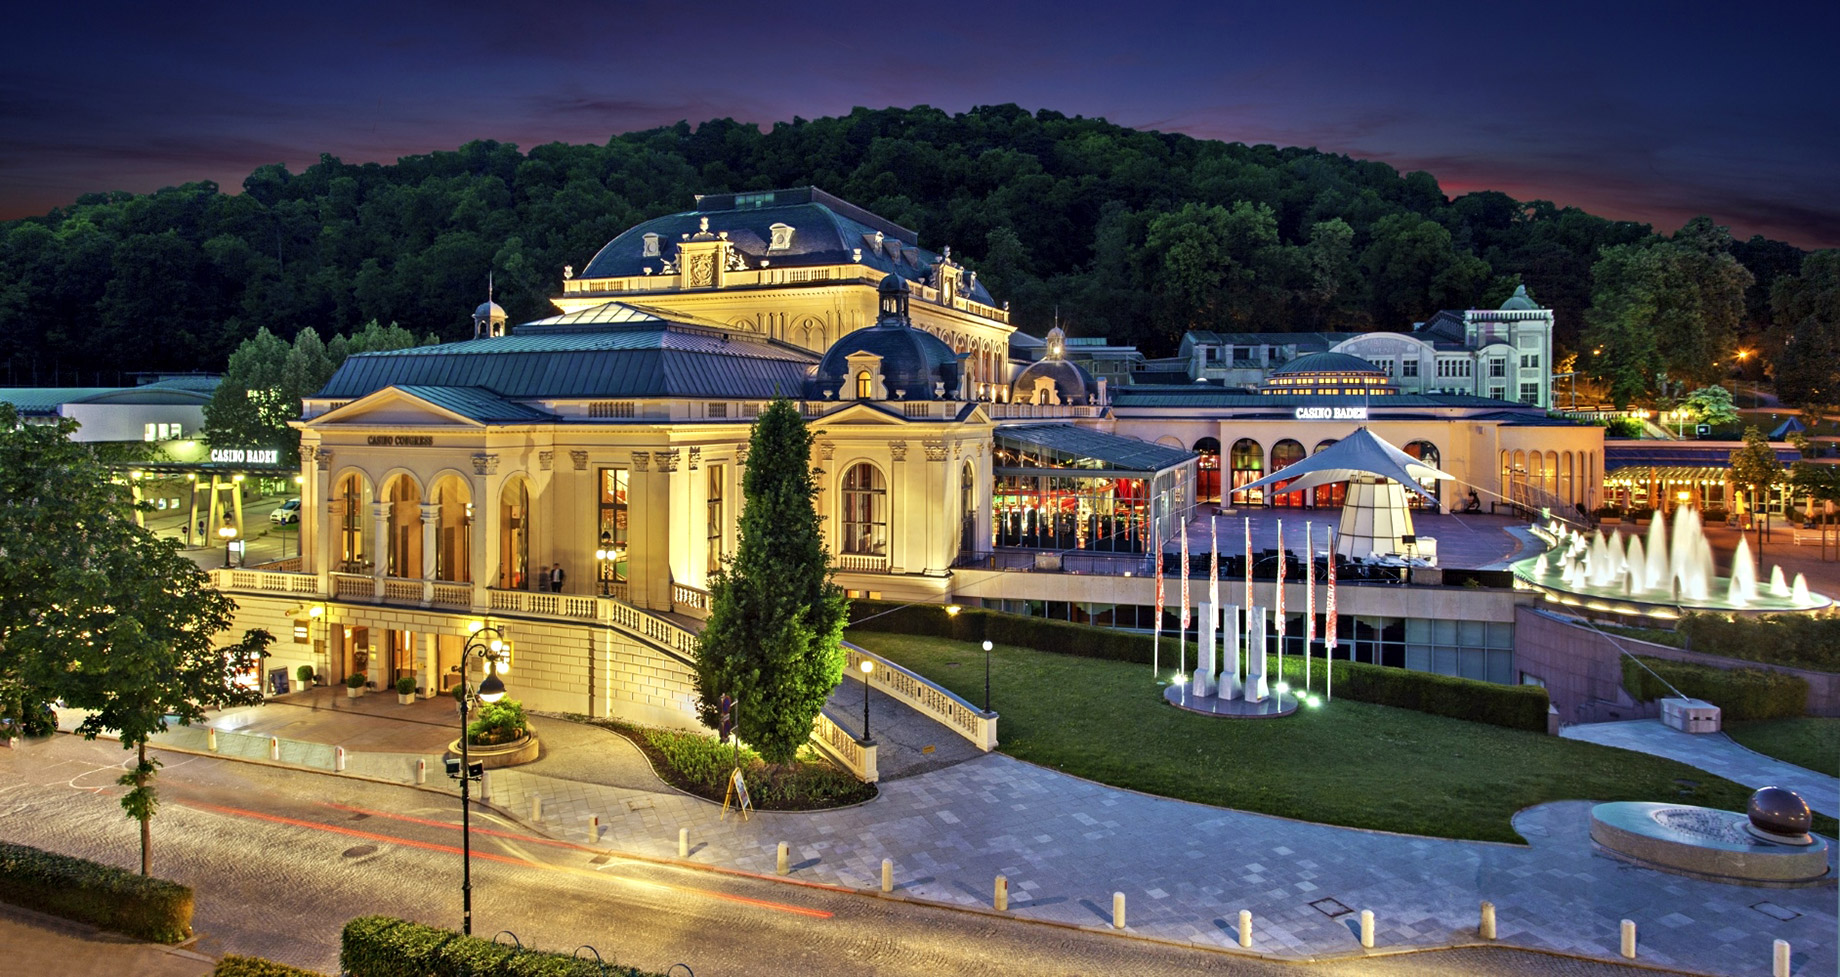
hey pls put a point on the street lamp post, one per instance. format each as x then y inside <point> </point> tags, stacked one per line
<point>868,668</point>
<point>226,532</point>
<point>602,557</point>
<point>986,676</point>
<point>486,643</point>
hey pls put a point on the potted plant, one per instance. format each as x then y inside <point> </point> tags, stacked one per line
<point>354,685</point>
<point>405,690</point>
<point>305,674</point>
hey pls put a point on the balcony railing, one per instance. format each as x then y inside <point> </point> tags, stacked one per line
<point>268,581</point>
<point>927,697</point>
<point>693,601</point>
<point>862,564</point>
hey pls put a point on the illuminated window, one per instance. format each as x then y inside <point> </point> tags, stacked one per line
<point>865,511</point>
<point>713,510</point>
<point>865,385</point>
<point>613,523</point>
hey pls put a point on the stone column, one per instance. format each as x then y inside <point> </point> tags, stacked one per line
<point>1257,689</point>
<point>380,550</point>
<point>431,522</point>
<point>1232,681</point>
<point>1203,684</point>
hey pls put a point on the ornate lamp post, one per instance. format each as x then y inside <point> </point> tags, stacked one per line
<point>604,556</point>
<point>487,644</point>
<point>986,676</point>
<point>868,668</point>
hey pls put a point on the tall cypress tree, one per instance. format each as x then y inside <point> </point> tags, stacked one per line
<point>773,640</point>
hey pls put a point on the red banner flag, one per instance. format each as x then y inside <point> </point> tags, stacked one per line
<point>1277,600</point>
<point>1329,626</point>
<point>1309,586</point>
<point>1214,567</point>
<point>1248,564</point>
<point>1185,576</point>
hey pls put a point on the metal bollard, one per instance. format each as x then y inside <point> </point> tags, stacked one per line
<point>1001,898</point>
<point>1779,959</point>
<point>782,858</point>
<point>1118,910</point>
<point>1488,920</point>
<point>1245,927</point>
<point>1367,928</point>
<point>594,827</point>
<point>1629,939</point>
<point>887,875</point>
<point>338,759</point>
<point>210,738</point>
<point>421,771</point>
<point>536,807</point>
<point>274,748</point>
<point>683,842</point>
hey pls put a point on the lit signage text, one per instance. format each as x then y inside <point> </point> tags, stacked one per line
<point>246,456</point>
<point>1332,413</point>
<point>403,440</point>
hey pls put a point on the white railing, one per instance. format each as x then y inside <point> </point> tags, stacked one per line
<point>862,564</point>
<point>686,599</point>
<point>1006,412</point>
<point>837,743</point>
<point>402,590</point>
<point>979,308</point>
<point>650,627</point>
<point>452,595</point>
<point>354,585</point>
<point>266,581</point>
<point>928,698</point>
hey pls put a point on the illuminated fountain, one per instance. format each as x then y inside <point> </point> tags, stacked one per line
<point>1669,571</point>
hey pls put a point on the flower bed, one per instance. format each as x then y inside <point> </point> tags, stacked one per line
<point>698,764</point>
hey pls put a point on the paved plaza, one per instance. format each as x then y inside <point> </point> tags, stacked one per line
<point>1067,844</point>
<point>1714,753</point>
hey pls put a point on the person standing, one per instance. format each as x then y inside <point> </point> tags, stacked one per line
<point>555,578</point>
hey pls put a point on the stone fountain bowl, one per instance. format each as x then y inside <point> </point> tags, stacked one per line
<point>1617,602</point>
<point>1708,844</point>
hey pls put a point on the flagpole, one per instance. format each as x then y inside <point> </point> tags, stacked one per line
<point>1214,580</point>
<point>1329,627</point>
<point>1309,600</point>
<point>1182,639</point>
<point>1277,602</point>
<point>1156,635</point>
<point>1248,641</point>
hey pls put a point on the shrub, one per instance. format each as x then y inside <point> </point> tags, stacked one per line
<point>380,946</point>
<point>305,675</point>
<point>498,723</point>
<point>90,892</point>
<point>1624,427</point>
<point>235,966</point>
<point>1740,693</point>
<point>405,686</point>
<point>701,764</point>
<point>355,680</point>
<point>1511,706</point>
<point>1799,640</point>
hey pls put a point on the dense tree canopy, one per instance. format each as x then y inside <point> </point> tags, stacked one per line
<point>1133,234</point>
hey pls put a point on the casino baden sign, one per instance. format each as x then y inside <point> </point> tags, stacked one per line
<point>1331,414</point>
<point>246,456</point>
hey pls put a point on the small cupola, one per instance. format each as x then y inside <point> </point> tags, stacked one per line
<point>893,291</point>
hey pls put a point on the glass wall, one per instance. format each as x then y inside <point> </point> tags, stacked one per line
<point>1045,498</point>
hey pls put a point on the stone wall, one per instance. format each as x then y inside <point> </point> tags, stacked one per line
<point>1583,670</point>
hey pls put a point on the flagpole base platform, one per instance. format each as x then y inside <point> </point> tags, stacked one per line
<point>1275,706</point>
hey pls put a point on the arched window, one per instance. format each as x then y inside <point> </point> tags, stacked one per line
<point>1552,473</point>
<point>1284,454</point>
<point>405,542</point>
<point>1207,470</point>
<point>1328,496</point>
<point>353,554</point>
<point>967,509</point>
<point>1248,465</point>
<point>865,385</point>
<point>1427,452</point>
<point>453,531</point>
<point>1566,484</point>
<point>865,512</point>
<point>514,535</point>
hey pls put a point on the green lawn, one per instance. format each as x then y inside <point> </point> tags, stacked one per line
<point>1347,763</point>
<point>1808,741</point>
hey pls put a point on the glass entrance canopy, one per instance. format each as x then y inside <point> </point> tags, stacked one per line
<point>1060,487</point>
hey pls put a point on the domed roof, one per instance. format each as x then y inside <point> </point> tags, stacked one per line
<point>1325,363</point>
<point>1071,383</point>
<point>1519,301</point>
<point>913,362</point>
<point>489,310</point>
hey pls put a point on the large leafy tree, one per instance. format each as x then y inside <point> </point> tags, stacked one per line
<point>774,636</point>
<point>1807,312</point>
<point>100,614</point>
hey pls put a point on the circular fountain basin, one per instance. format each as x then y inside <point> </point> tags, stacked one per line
<point>1615,601</point>
<point>1705,843</point>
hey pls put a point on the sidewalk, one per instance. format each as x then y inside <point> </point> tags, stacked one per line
<point>1187,870</point>
<point>38,944</point>
<point>1714,753</point>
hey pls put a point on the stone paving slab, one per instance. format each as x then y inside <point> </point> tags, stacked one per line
<point>1714,753</point>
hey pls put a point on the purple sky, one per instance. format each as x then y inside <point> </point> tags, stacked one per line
<point>1685,108</point>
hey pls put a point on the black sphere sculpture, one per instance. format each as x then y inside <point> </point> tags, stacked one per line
<point>1780,814</point>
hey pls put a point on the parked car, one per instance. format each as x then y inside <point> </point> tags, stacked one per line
<point>285,513</point>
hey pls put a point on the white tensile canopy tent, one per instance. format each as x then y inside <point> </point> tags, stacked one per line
<point>1374,515</point>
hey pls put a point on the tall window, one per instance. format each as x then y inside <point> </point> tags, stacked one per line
<point>865,385</point>
<point>1498,367</point>
<point>865,512</point>
<point>1530,393</point>
<point>1409,368</point>
<point>1248,461</point>
<point>351,526</point>
<point>967,509</point>
<point>713,507</point>
<point>613,523</point>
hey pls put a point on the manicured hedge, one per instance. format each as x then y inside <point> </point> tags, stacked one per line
<point>1798,640</point>
<point>382,946</point>
<point>90,892</point>
<point>1513,706</point>
<point>235,966</point>
<point>976,624</point>
<point>1740,693</point>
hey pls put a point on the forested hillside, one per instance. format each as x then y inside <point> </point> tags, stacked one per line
<point>1136,235</point>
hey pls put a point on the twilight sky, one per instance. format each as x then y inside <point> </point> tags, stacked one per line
<point>1650,111</point>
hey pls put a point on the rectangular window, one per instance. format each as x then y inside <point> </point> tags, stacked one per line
<point>1530,361</point>
<point>1409,368</point>
<point>714,510</point>
<point>1499,393</point>
<point>614,519</point>
<point>1530,393</point>
<point>1498,367</point>
<point>163,432</point>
